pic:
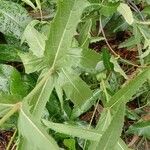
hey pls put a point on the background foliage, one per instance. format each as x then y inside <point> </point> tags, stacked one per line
<point>75,74</point>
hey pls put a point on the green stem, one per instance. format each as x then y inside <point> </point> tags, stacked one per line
<point>140,53</point>
<point>10,113</point>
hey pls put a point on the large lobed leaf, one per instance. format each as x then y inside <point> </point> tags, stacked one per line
<point>62,30</point>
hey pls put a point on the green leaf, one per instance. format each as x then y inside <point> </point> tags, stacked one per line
<point>126,12</point>
<point>102,125</point>
<point>74,131</point>
<point>53,107</point>
<point>77,111</point>
<point>75,88</point>
<point>28,2</point>
<point>121,145</point>
<point>70,144</point>
<point>8,53</point>
<point>141,128</point>
<point>106,59</point>
<point>147,47</point>
<point>111,135</point>
<point>84,34</point>
<point>126,93</point>
<point>96,39</point>
<point>13,18</point>
<point>11,81</point>
<point>89,59</point>
<point>93,1</point>
<point>38,3</point>
<point>34,134</point>
<point>146,10</point>
<point>117,67</point>
<point>62,31</point>
<point>31,62</point>
<point>41,96</point>
<point>109,9</point>
<point>7,101</point>
<point>4,108</point>
<point>34,39</point>
<point>128,43</point>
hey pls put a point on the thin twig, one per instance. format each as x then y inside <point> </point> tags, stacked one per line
<point>133,141</point>
<point>117,55</point>
<point>11,140</point>
<point>103,33</point>
<point>94,112</point>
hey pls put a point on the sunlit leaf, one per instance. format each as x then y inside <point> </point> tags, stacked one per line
<point>75,88</point>
<point>77,111</point>
<point>31,62</point>
<point>33,132</point>
<point>126,12</point>
<point>62,31</point>
<point>29,2</point>
<point>73,130</point>
<point>70,143</point>
<point>35,39</point>
<point>126,93</point>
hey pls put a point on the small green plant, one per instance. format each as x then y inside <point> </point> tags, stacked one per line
<point>60,77</point>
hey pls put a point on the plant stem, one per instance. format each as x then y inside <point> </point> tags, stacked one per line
<point>103,33</point>
<point>10,113</point>
<point>105,91</point>
<point>11,140</point>
<point>89,126</point>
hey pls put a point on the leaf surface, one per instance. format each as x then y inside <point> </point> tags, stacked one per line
<point>11,81</point>
<point>73,130</point>
<point>117,67</point>
<point>126,93</point>
<point>75,88</point>
<point>141,128</point>
<point>126,12</point>
<point>31,62</point>
<point>33,132</point>
<point>111,135</point>
<point>62,31</point>
<point>13,18</point>
<point>35,39</point>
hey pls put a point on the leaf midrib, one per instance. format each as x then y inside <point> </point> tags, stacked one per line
<point>72,84</point>
<point>61,41</point>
